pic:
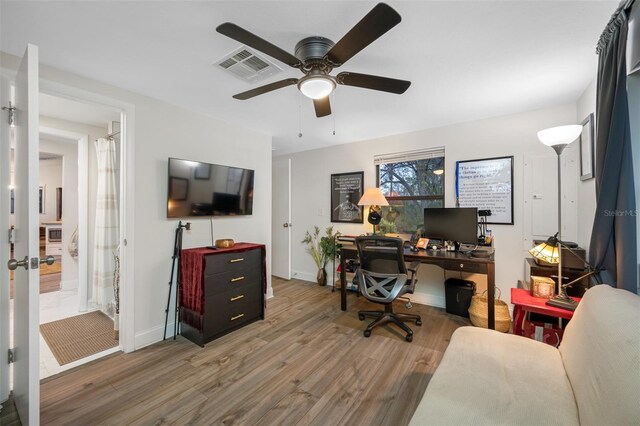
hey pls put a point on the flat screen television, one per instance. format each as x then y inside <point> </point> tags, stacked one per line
<point>452,224</point>
<point>195,188</point>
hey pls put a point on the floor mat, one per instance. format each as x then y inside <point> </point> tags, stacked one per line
<point>77,337</point>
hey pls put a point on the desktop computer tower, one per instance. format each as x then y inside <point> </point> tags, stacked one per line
<point>458,295</point>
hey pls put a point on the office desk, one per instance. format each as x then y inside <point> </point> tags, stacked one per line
<point>445,259</point>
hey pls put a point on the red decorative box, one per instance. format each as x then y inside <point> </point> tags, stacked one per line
<point>543,332</point>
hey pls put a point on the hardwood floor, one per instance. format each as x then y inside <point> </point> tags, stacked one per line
<point>306,363</point>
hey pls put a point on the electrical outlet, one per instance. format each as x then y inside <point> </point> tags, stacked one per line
<point>320,211</point>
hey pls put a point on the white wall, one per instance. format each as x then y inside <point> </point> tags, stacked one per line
<point>586,105</point>
<point>161,131</point>
<point>501,136</point>
<point>50,178</point>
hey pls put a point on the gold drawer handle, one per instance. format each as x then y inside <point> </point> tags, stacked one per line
<point>237,317</point>
<point>233,280</point>
<point>240,259</point>
<point>236,298</point>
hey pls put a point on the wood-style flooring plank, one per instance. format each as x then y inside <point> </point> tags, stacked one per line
<point>306,363</point>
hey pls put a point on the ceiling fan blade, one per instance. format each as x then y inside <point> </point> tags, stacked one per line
<point>373,82</point>
<point>377,22</point>
<point>322,106</point>
<point>265,89</point>
<point>243,36</point>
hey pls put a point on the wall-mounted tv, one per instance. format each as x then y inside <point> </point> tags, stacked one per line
<point>202,189</point>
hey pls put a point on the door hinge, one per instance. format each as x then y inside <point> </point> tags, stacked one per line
<point>11,356</point>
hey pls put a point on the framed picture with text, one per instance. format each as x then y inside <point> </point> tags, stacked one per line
<point>346,190</point>
<point>487,184</point>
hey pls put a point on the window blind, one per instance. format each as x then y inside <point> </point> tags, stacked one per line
<point>398,157</point>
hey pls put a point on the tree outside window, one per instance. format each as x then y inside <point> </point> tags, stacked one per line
<point>410,187</point>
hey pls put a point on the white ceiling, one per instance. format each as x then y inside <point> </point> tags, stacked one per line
<point>466,59</point>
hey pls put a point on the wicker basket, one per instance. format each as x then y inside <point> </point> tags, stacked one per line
<point>478,312</point>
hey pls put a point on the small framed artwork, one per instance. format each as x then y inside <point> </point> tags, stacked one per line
<point>178,188</point>
<point>202,171</point>
<point>542,287</point>
<point>41,195</point>
<point>346,190</point>
<point>587,154</point>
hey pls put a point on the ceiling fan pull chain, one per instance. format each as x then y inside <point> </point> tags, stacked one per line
<point>299,114</point>
<point>333,101</point>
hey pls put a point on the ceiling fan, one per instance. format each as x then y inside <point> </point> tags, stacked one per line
<point>317,56</point>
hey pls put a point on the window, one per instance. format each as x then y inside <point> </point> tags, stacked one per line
<point>411,182</point>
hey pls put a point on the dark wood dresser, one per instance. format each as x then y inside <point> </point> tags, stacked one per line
<point>221,290</point>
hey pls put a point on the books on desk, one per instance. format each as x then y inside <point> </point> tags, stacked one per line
<point>347,239</point>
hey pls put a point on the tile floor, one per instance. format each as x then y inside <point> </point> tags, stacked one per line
<point>54,306</point>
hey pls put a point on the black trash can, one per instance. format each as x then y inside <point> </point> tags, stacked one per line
<point>458,295</point>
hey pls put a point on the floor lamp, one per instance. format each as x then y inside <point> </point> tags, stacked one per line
<point>551,250</point>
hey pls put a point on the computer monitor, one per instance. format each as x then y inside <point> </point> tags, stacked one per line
<point>459,225</point>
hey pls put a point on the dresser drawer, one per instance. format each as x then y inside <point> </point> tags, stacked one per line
<point>228,281</point>
<point>230,309</point>
<point>462,265</point>
<point>233,262</point>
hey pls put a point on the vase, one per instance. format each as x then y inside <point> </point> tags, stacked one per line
<point>321,277</point>
<point>116,326</point>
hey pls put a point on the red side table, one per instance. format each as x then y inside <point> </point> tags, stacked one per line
<point>524,302</point>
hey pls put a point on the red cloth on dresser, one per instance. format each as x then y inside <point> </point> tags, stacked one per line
<point>192,271</point>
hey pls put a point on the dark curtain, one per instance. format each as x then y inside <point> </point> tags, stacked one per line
<point>613,239</point>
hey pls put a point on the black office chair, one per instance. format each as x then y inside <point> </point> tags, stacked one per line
<point>382,278</point>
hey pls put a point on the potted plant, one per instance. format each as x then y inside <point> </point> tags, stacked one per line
<point>321,250</point>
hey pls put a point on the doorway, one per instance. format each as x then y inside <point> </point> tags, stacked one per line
<point>69,131</point>
<point>281,218</point>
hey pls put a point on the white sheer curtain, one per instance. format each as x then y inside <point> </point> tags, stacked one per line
<point>106,229</point>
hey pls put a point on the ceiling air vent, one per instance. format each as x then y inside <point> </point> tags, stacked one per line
<point>247,65</point>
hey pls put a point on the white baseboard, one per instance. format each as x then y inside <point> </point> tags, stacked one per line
<point>304,276</point>
<point>269,293</point>
<point>69,285</point>
<point>150,336</point>
<point>427,299</point>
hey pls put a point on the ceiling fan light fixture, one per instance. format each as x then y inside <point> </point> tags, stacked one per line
<point>316,86</point>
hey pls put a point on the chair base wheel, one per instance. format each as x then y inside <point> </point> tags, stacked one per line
<point>361,317</point>
<point>409,337</point>
<point>367,333</point>
<point>418,322</point>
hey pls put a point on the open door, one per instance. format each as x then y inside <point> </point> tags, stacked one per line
<point>281,218</point>
<point>26,261</point>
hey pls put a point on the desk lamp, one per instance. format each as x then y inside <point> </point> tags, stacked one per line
<point>550,251</point>
<point>373,198</point>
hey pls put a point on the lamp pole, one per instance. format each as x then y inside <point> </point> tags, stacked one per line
<point>558,149</point>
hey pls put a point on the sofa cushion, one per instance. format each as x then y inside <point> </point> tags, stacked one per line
<point>487,377</point>
<point>601,355</point>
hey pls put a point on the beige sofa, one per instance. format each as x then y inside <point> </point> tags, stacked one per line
<point>487,377</point>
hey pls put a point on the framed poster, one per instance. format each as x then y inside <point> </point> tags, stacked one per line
<point>346,190</point>
<point>488,185</point>
<point>586,149</point>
